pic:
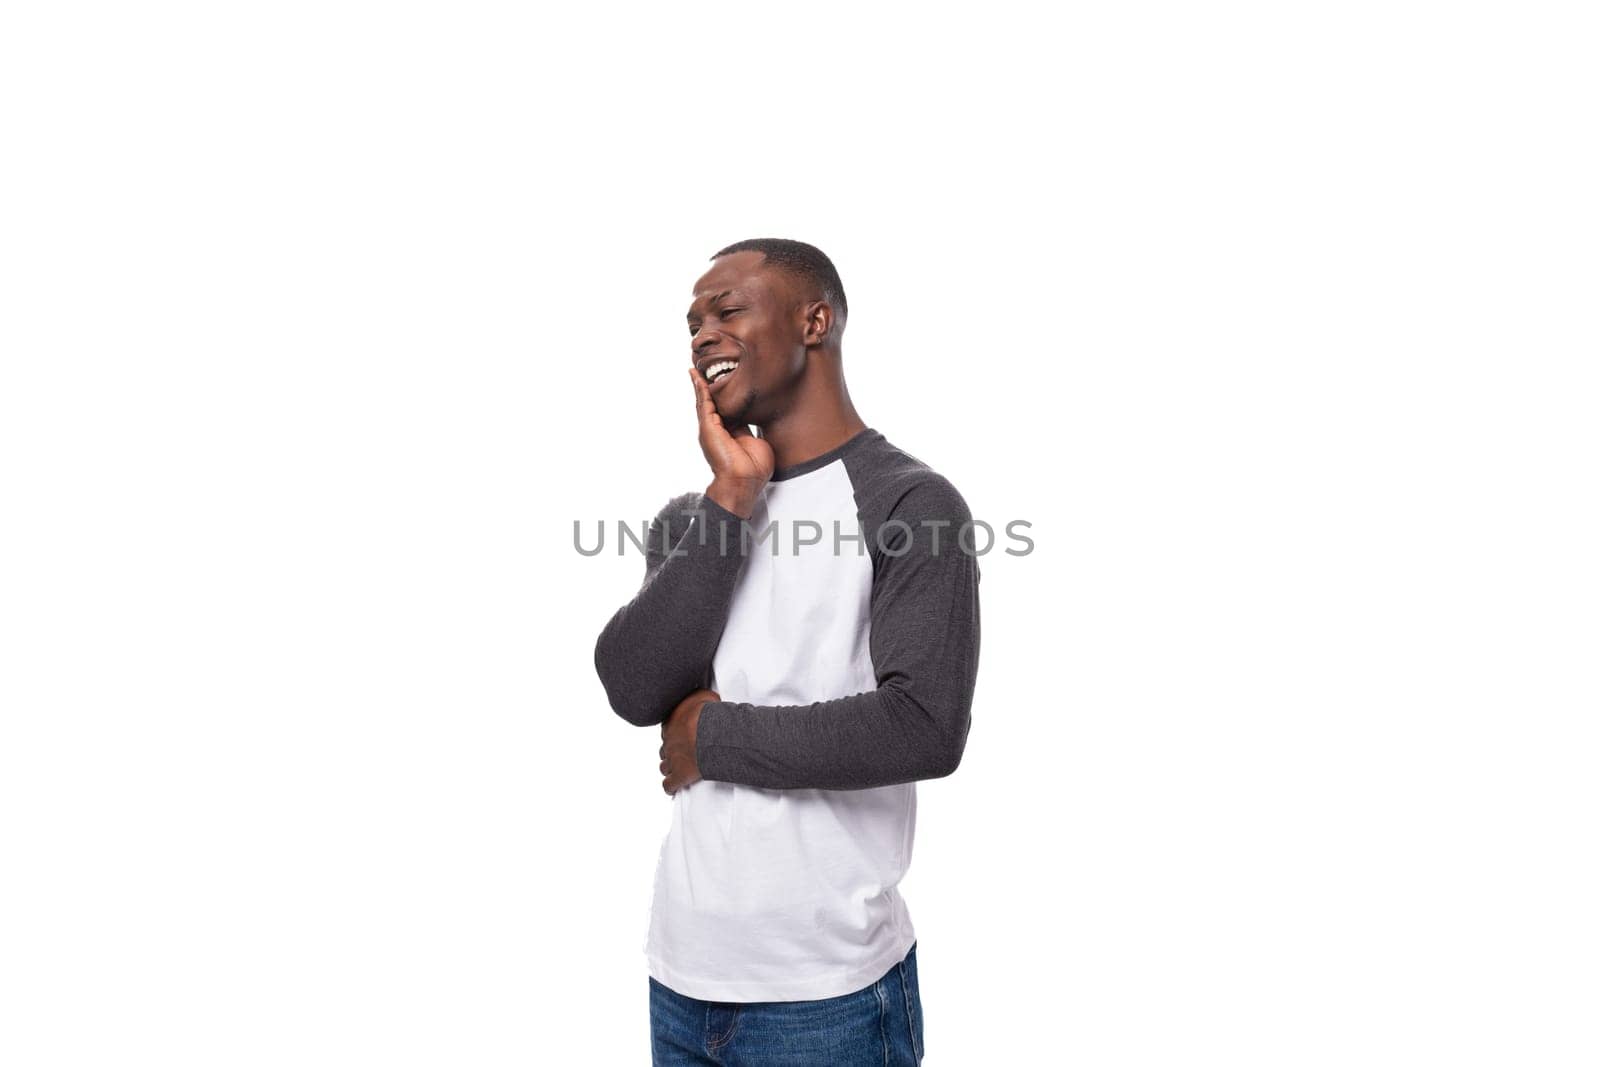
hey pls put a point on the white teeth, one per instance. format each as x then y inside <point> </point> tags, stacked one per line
<point>717,370</point>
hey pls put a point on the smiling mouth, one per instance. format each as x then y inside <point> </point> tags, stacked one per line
<point>719,371</point>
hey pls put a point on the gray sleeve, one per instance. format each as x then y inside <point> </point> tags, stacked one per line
<point>924,645</point>
<point>657,648</point>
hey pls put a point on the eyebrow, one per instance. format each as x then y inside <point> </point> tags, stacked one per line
<point>713,300</point>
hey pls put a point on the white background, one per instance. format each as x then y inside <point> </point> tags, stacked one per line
<point>322,323</point>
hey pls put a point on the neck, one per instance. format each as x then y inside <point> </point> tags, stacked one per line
<point>821,419</point>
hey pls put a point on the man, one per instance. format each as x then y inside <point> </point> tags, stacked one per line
<point>807,639</point>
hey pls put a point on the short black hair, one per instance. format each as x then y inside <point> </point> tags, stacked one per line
<point>805,261</point>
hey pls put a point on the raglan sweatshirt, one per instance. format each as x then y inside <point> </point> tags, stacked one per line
<point>839,626</point>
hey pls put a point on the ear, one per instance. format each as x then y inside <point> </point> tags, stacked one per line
<point>817,322</point>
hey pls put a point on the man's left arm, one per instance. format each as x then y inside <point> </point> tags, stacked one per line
<point>924,643</point>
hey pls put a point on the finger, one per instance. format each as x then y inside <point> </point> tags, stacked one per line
<point>662,767</point>
<point>666,787</point>
<point>705,407</point>
<point>663,752</point>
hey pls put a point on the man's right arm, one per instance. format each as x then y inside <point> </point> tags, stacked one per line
<point>658,647</point>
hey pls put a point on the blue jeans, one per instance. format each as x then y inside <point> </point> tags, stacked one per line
<point>879,1025</point>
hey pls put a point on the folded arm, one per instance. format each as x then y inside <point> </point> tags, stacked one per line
<point>924,644</point>
<point>658,647</point>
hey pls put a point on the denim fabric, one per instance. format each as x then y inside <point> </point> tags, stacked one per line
<point>880,1026</point>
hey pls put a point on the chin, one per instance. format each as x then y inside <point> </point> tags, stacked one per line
<point>736,410</point>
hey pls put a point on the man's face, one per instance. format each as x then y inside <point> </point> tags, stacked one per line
<point>747,314</point>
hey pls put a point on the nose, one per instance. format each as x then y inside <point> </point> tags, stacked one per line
<point>703,340</point>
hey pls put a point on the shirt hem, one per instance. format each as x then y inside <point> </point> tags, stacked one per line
<point>833,985</point>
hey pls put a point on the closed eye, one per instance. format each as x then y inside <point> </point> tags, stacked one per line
<point>723,314</point>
